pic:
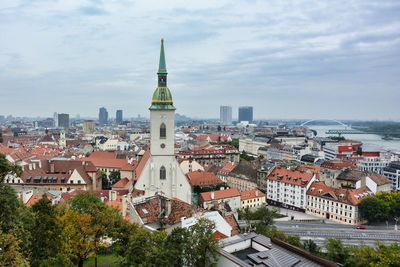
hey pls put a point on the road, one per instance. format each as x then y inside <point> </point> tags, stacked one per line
<point>318,232</point>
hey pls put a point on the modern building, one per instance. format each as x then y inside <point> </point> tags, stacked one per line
<point>88,126</point>
<point>392,172</point>
<point>246,114</point>
<point>225,115</point>
<point>158,172</point>
<point>55,118</point>
<point>118,116</point>
<point>103,116</point>
<point>63,120</point>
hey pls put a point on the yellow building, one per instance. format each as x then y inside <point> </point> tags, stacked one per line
<point>252,198</point>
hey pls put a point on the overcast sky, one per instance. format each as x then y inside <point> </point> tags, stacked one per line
<point>289,59</point>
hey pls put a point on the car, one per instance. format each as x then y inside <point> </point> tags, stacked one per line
<point>361,227</point>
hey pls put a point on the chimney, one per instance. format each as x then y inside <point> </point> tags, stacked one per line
<point>34,165</point>
<point>30,166</point>
<point>212,195</point>
<point>83,163</point>
<point>51,166</point>
<point>40,164</point>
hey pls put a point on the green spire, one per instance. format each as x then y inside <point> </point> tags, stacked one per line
<point>162,98</point>
<point>162,67</point>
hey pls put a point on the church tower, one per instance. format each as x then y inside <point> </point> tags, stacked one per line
<point>162,173</point>
<point>62,142</point>
<point>162,114</point>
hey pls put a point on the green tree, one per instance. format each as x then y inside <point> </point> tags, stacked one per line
<point>10,252</point>
<point>8,168</point>
<point>177,242</point>
<point>374,209</point>
<point>203,247</point>
<point>311,246</point>
<point>335,250</point>
<point>46,234</point>
<point>105,182</point>
<point>115,176</point>
<point>104,219</point>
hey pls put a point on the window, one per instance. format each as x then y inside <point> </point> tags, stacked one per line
<point>163,173</point>
<point>163,131</point>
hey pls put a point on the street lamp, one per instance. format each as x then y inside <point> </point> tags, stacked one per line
<point>395,225</point>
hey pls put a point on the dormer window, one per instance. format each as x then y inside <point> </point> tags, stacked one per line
<point>312,189</point>
<point>320,191</point>
<point>163,131</point>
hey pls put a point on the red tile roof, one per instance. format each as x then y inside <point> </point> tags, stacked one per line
<point>255,193</point>
<point>200,178</point>
<point>233,223</point>
<point>220,194</point>
<point>337,164</point>
<point>290,177</point>
<point>347,196</point>
<point>141,164</point>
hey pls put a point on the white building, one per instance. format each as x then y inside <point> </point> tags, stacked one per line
<point>288,188</point>
<point>161,172</point>
<point>392,172</point>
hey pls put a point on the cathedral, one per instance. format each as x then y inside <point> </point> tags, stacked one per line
<point>161,173</point>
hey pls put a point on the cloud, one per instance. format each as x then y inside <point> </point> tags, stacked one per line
<point>288,59</point>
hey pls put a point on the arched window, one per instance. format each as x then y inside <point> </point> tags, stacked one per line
<point>163,131</point>
<point>163,173</point>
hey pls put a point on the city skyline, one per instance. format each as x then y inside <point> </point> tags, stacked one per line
<point>311,60</point>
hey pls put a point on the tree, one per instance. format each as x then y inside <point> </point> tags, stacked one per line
<point>10,252</point>
<point>78,236</point>
<point>104,219</point>
<point>311,246</point>
<point>359,151</point>
<point>8,168</point>
<point>374,209</point>
<point>105,182</point>
<point>203,247</point>
<point>335,250</point>
<point>46,232</point>
<point>177,242</point>
<point>114,177</point>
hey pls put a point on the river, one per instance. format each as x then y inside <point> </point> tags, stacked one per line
<point>393,145</point>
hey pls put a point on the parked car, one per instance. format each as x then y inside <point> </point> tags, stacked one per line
<point>361,227</point>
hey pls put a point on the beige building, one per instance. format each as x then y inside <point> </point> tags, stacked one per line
<point>88,126</point>
<point>229,196</point>
<point>252,199</point>
<point>190,165</point>
<point>336,204</point>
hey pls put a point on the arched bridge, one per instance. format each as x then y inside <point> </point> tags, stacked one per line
<point>338,122</point>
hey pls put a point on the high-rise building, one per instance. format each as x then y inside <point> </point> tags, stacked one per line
<point>63,120</point>
<point>103,116</point>
<point>118,116</point>
<point>55,118</point>
<point>246,114</point>
<point>225,115</point>
<point>88,126</point>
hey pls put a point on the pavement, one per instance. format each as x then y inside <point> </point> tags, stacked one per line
<point>297,215</point>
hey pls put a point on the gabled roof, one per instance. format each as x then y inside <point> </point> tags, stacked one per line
<point>347,196</point>
<point>142,164</point>
<point>290,177</point>
<point>200,178</point>
<point>250,194</point>
<point>220,194</point>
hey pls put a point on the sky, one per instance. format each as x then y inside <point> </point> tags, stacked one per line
<point>288,59</point>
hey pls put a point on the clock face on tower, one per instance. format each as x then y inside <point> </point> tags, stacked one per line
<point>162,145</point>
